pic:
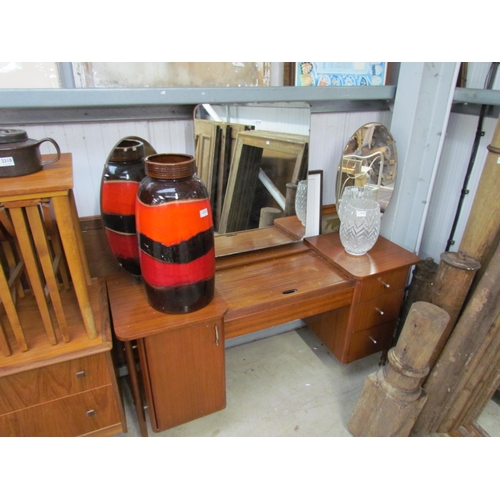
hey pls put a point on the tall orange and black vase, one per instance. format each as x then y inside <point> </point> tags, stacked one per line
<point>176,235</point>
<point>123,172</point>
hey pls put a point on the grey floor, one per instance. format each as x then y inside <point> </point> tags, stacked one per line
<point>283,386</point>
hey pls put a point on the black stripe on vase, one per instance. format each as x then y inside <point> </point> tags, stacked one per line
<point>181,299</point>
<point>182,253</point>
<point>120,223</point>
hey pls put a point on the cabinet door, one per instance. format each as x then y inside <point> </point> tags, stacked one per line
<point>184,373</point>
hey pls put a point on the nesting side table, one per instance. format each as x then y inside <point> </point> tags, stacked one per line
<point>57,376</point>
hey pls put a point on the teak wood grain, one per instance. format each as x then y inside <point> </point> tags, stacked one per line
<point>52,382</point>
<point>68,389</point>
<point>134,318</point>
<point>385,256</point>
<point>43,184</point>
<point>302,284</point>
<point>291,226</point>
<point>184,373</point>
<point>380,277</point>
<point>64,417</point>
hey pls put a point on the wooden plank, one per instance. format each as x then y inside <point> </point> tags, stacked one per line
<point>4,343</point>
<point>243,176</point>
<point>53,235</point>
<point>242,183</point>
<point>46,262</point>
<point>206,132</point>
<point>73,248</point>
<point>29,258</point>
<point>42,353</point>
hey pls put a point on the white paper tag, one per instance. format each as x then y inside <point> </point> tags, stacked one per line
<point>8,161</point>
<point>360,213</point>
<point>203,213</point>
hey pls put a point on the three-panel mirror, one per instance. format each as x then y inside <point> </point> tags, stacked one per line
<point>251,158</point>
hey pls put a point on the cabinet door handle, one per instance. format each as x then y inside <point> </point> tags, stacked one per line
<point>372,339</point>
<point>380,311</point>
<point>91,413</point>
<point>80,374</point>
<point>216,335</point>
<point>386,285</point>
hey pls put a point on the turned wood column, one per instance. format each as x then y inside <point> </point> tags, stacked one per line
<point>482,231</point>
<point>422,281</point>
<point>452,282</point>
<point>291,192</point>
<point>268,215</point>
<point>468,343</point>
<point>392,398</point>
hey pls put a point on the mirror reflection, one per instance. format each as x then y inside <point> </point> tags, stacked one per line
<point>369,161</point>
<point>251,158</point>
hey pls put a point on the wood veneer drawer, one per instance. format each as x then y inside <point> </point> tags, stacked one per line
<point>370,341</point>
<point>383,284</point>
<point>53,382</point>
<point>72,416</point>
<point>379,310</point>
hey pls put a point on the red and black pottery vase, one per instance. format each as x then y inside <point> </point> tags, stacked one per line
<point>122,175</point>
<point>176,235</point>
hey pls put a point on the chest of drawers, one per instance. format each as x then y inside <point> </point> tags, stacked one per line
<point>367,325</point>
<point>68,389</point>
<point>72,398</point>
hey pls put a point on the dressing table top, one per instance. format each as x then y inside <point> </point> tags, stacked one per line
<point>383,257</point>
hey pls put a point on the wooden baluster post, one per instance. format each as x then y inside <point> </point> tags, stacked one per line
<point>392,398</point>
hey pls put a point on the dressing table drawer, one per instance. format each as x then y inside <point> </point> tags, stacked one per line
<point>378,310</point>
<point>383,284</point>
<point>370,341</point>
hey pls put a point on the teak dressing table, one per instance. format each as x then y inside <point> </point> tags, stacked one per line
<point>351,303</point>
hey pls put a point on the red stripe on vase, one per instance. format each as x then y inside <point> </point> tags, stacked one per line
<point>175,221</point>
<point>162,274</point>
<point>118,197</point>
<point>123,245</point>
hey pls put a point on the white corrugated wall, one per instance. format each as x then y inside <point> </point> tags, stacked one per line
<point>452,170</point>
<point>90,144</point>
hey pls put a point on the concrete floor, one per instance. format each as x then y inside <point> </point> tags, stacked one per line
<point>489,419</point>
<point>284,386</point>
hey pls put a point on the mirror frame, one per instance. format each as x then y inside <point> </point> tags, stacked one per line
<point>385,152</point>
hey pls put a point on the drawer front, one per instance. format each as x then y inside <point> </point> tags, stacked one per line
<point>379,310</point>
<point>370,341</point>
<point>66,417</point>
<point>383,284</point>
<point>53,382</point>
